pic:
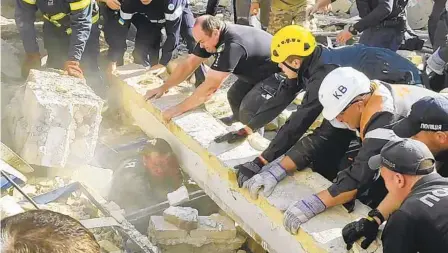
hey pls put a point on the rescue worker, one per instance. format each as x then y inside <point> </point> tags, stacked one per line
<point>306,64</point>
<point>71,37</point>
<point>377,63</point>
<point>382,24</point>
<point>147,38</point>
<point>146,179</point>
<point>428,123</point>
<point>283,13</point>
<point>241,50</point>
<point>437,37</point>
<point>178,20</point>
<point>421,222</point>
<point>350,100</point>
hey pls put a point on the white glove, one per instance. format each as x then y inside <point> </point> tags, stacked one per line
<point>267,180</point>
<point>301,211</point>
<point>435,63</point>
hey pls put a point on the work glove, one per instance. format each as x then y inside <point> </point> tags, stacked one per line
<point>72,68</point>
<point>32,61</point>
<point>435,63</point>
<point>267,180</point>
<point>367,227</point>
<point>233,136</point>
<point>248,170</point>
<point>301,211</point>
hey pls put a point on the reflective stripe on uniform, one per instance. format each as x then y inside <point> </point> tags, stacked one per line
<point>79,5</point>
<point>126,16</point>
<point>382,134</point>
<point>95,18</point>
<point>54,21</point>
<point>175,15</point>
<point>161,21</point>
<point>30,1</point>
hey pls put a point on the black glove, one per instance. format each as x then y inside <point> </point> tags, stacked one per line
<point>248,170</point>
<point>233,137</point>
<point>367,227</point>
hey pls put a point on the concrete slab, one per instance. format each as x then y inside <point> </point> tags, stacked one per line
<point>191,133</point>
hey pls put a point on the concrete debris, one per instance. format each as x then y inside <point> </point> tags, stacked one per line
<point>417,13</point>
<point>341,6</point>
<point>46,130</point>
<point>162,230</point>
<point>183,217</point>
<point>108,246</point>
<point>178,196</point>
<point>9,206</point>
<point>10,58</point>
<point>225,228</point>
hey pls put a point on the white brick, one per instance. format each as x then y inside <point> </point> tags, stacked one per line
<point>159,229</point>
<point>183,217</point>
<point>178,196</point>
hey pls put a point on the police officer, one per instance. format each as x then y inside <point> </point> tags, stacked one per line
<point>178,19</point>
<point>421,222</point>
<point>146,178</point>
<point>351,101</point>
<point>241,50</point>
<point>382,24</point>
<point>71,36</point>
<point>377,63</point>
<point>428,123</point>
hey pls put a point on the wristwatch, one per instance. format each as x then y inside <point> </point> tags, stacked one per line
<point>376,213</point>
<point>352,30</point>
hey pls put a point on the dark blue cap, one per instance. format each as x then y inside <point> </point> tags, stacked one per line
<point>427,114</point>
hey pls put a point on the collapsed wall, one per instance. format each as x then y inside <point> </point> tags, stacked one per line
<point>55,122</point>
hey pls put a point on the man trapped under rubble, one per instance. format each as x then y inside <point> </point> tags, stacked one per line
<point>146,179</point>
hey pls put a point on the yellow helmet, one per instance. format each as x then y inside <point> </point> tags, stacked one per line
<point>292,40</point>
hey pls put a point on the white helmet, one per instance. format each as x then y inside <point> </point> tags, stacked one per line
<point>339,88</point>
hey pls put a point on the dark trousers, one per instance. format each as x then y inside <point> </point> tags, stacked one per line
<point>57,41</point>
<point>186,31</point>
<point>385,37</point>
<point>147,41</point>
<point>433,21</point>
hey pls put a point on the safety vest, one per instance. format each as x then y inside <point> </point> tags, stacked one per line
<point>397,99</point>
<point>57,19</point>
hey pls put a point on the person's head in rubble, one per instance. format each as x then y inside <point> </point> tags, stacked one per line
<point>344,94</point>
<point>427,122</point>
<point>45,231</point>
<point>289,48</point>
<point>159,159</point>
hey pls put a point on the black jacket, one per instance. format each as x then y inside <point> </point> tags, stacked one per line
<point>421,223</point>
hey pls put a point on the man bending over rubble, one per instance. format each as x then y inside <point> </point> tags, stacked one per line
<point>241,50</point>
<point>45,231</point>
<point>147,178</point>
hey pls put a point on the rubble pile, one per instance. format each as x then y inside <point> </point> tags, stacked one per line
<point>56,122</point>
<point>180,229</point>
<point>76,205</point>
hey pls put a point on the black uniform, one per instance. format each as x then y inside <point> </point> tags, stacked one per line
<point>245,52</point>
<point>433,23</point>
<point>421,223</point>
<point>382,22</point>
<point>71,33</point>
<point>133,188</point>
<point>442,163</point>
<point>174,15</point>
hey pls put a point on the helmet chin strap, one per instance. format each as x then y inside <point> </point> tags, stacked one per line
<point>290,67</point>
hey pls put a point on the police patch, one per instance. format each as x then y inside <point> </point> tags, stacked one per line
<point>220,48</point>
<point>170,7</point>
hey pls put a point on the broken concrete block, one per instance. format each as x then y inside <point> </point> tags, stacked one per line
<point>222,246</point>
<point>50,133</point>
<point>178,248</point>
<point>224,229</point>
<point>178,196</point>
<point>183,217</point>
<point>341,6</point>
<point>159,229</point>
<point>10,58</point>
<point>417,13</point>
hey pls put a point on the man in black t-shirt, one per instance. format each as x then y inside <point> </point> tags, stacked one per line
<point>241,50</point>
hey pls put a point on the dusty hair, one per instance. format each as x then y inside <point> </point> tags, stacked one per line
<point>157,145</point>
<point>45,231</point>
<point>209,23</point>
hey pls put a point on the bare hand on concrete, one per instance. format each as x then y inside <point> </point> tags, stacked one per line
<point>323,6</point>
<point>169,114</point>
<point>113,4</point>
<point>343,37</point>
<point>155,93</point>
